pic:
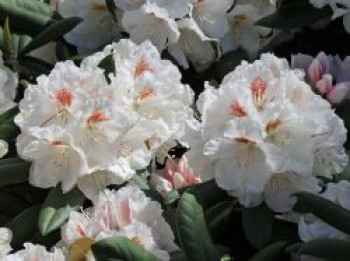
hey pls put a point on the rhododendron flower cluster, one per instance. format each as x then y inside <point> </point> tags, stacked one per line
<point>126,213</point>
<point>80,128</point>
<point>327,74</point>
<point>266,134</point>
<point>192,31</point>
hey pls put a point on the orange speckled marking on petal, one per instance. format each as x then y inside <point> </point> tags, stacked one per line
<point>64,97</point>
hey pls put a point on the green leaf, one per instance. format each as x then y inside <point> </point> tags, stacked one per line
<point>10,204</point>
<point>8,129</point>
<point>108,65</point>
<point>7,40</point>
<point>218,217</point>
<point>257,225</point>
<point>295,14</point>
<point>321,207</point>
<point>24,226</point>
<point>139,181</point>
<point>270,253</point>
<point>171,197</point>
<point>13,171</point>
<point>208,194</point>
<point>120,248</point>
<point>56,209</point>
<point>329,249</point>
<point>194,236</point>
<point>53,32</point>
<point>33,67</point>
<point>26,15</point>
<point>51,219</point>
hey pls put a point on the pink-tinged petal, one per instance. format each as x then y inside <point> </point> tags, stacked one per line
<point>161,184</point>
<point>325,63</point>
<point>179,181</point>
<point>124,215</point>
<point>325,85</point>
<point>315,71</point>
<point>339,93</point>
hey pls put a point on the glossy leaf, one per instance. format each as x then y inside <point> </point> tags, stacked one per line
<point>53,32</point>
<point>257,225</point>
<point>193,232</point>
<point>23,226</point>
<point>120,248</point>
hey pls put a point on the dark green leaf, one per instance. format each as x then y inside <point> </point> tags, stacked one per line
<point>13,171</point>
<point>120,248</point>
<point>26,15</point>
<point>218,217</point>
<point>53,32</point>
<point>208,194</point>
<point>321,207</point>
<point>296,15</point>
<point>329,249</point>
<point>193,233</point>
<point>270,253</point>
<point>10,204</point>
<point>257,225</point>
<point>24,226</point>
<point>33,67</point>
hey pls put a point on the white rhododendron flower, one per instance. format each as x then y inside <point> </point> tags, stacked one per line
<point>243,32</point>
<point>311,227</point>
<point>211,16</point>
<point>78,128</point>
<point>5,240</point>
<point>151,22</point>
<point>97,28</point>
<point>126,212</point>
<point>193,45</point>
<point>267,134</point>
<point>35,252</point>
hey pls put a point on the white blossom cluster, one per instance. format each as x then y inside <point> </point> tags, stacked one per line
<point>8,90</point>
<point>264,135</point>
<point>125,213</point>
<point>192,31</point>
<point>341,8</point>
<point>79,128</point>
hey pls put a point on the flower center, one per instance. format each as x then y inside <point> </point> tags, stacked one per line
<point>98,116</point>
<point>272,125</point>
<point>145,94</point>
<point>141,67</point>
<point>237,109</point>
<point>64,97</point>
<point>258,88</point>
